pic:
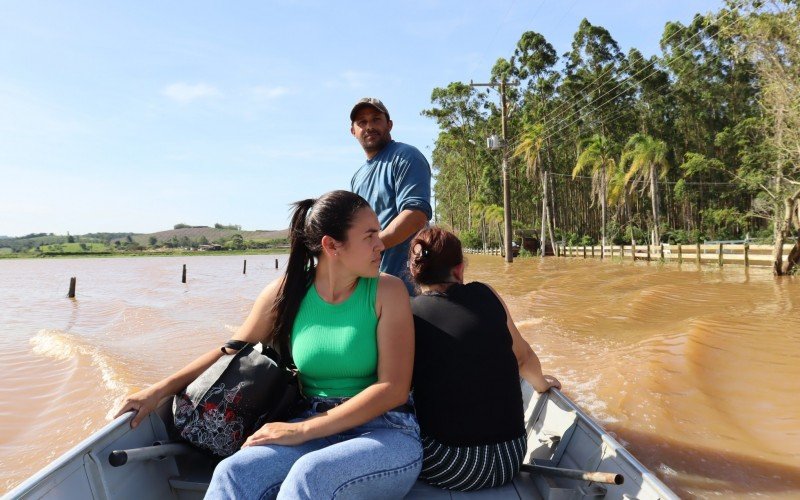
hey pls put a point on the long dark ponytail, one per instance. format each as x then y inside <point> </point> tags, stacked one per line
<point>331,214</point>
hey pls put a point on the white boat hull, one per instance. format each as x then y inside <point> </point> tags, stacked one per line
<point>559,435</point>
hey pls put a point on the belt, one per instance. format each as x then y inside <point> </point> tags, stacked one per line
<point>323,406</point>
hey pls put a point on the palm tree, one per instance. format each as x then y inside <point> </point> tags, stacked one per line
<point>646,159</point>
<point>493,215</point>
<point>479,209</point>
<point>529,147</point>
<point>597,155</point>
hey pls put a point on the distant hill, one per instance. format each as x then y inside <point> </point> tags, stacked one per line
<point>211,234</point>
<point>34,240</point>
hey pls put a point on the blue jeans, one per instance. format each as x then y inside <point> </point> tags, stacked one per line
<point>379,459</point>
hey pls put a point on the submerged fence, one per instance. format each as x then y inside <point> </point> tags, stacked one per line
<point>709,253</point>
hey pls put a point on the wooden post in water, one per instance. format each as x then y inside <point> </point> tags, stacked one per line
<point>584,251</point>
<point>71,293</point>
<point>633,253</point>
<point>698,253</point>
<point>244,268</point>
<point>720,255</point>
<point>648,252</point>
<point>680,253</point>
<point>593,251</point>
<point>662,252</point>
<point>276,263</point>
<point>183,276</point>
<point>747,255</point>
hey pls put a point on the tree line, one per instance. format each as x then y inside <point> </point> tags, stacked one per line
<point>700,142</point>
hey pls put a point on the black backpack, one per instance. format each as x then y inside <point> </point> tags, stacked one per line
<point>234,397</point>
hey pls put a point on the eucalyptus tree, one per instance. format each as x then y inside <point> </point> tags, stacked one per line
<point>459,111</point>
<point>712,92</point>
<point>595,85</point>
<point>645,161</point>
<point>767,34</point>
<point>653,102</point>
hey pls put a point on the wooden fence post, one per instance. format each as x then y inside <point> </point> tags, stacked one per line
<point>680,253</point>
<point>747,255</point>
<point>71,293</point>
<point>183,276</point>
<point>662,253</point>
<point>276,263</point>
<point>593,252</point>
<point>720,255</point>
<point>699,260</point>
<point>244,269</point>
<point>584,251</point>
<point>648,252</point>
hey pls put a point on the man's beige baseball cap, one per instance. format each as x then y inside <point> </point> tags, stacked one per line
<point>368,101</point>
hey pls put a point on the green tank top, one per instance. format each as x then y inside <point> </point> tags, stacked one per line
<point>335,346</point>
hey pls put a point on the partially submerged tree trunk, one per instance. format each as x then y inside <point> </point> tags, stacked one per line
<point>603,207</point>
<point>654,202</point>
<point>783,225</point>
<point>793,259</point>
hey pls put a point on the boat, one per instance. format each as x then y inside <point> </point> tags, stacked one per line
<point>569,457</point>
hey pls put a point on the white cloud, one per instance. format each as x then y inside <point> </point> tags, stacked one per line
<point>354,80</point>
<point>269,93</point>
<point>185,93</point>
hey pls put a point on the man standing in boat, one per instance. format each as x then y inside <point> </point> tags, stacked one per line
<point>395,180</point>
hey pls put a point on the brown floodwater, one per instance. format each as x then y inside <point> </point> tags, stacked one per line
<point>695,370</point>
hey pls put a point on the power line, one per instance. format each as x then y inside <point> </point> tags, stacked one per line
<point>578,111</point>
<point>604,73</point>
<point>689,183</point>
<point>499,27</point>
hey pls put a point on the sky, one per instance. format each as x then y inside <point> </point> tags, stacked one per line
<point>136,116</point>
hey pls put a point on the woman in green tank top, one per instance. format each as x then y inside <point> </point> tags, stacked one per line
<point>351,334</point>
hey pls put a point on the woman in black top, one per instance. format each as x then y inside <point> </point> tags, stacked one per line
<point>468,360</point>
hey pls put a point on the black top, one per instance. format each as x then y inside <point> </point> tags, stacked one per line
<point>466,379</point>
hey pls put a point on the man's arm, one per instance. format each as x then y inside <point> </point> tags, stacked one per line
<point>412,181</point>
<point>406,223</point>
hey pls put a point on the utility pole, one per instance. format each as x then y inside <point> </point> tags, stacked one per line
<point>506,187</point>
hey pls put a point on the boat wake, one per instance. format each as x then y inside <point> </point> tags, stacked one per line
<point>90,360</point>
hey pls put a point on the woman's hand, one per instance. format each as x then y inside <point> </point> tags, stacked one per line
<point>284,433</point>
<point>550,381</point>
<point>142,402</point>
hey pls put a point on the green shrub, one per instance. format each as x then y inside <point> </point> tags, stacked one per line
<point>470,239</point>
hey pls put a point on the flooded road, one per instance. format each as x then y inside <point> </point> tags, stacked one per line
<point>696,371</point>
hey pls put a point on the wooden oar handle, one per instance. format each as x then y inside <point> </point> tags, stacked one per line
<point>595,477</point>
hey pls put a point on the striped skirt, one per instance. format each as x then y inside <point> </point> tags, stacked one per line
<point>467,468</point>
